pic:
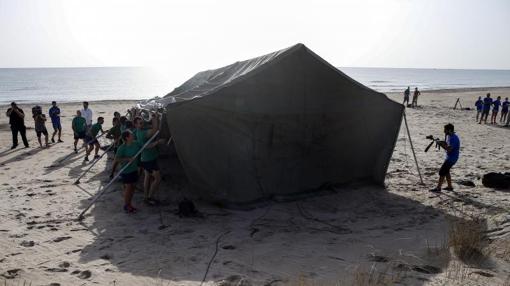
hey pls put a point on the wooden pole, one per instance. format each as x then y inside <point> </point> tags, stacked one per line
<point>412,148</point>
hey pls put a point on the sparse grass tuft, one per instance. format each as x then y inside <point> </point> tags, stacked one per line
<point>466,238</point>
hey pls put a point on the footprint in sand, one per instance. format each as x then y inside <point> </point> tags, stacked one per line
<point>85,274</point>
<point>64,264</point>
<point>27,243</point>
<point>62,238</point>
<point>11,274</point>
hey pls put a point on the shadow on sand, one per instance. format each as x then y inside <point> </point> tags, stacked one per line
<point>324,238</point>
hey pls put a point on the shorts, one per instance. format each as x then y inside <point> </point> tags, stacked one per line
<point>485,112</point>
<point>445,168</point>
<point>56,124</point>
<point>80,135</point>
<point>129,178</point>
<point>150,166</point>
<point>91,140</point>
<point>495,111</point>
<point>42,131</point>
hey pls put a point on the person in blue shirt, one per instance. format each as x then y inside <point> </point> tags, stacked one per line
<point>452,148</point>
<point>479,107</point>
<point>496,103</point>
<point>504,110</point>
<point>55,121</point>
<point>487,102</point>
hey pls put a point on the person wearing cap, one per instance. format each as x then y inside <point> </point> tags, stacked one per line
<point>86,113</point>
<point>17,122</point>
<point>54,113</point>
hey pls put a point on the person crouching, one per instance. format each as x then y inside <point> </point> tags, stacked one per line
<point>452,148</point>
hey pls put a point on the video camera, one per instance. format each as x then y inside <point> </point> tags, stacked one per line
<point>434,140</point>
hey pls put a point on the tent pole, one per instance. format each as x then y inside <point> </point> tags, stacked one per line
<point>412,148</point>
<point>92,165</point>
<point>101,192</point>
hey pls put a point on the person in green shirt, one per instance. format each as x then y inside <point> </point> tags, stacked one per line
<point>114,133</point>
<point>79,127</point>
<point>127,158</point>
<point>149,158</point>
<point>92,140</point>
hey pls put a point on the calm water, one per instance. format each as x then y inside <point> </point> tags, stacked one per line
<point>78,84</point>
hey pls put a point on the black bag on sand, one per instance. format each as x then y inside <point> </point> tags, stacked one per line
<point>496,180</point>
<point>187,209</point>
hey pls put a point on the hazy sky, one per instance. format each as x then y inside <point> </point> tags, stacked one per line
<point>191,35</point>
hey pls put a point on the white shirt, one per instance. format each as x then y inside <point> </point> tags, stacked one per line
<point>87,114</point>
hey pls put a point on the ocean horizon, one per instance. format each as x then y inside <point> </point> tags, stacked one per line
<point>38,85</point>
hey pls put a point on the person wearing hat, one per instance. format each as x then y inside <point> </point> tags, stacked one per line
<point>17,122</point>
<point>54,113</point>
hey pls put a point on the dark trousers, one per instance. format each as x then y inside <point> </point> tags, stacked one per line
<point>22,131</point>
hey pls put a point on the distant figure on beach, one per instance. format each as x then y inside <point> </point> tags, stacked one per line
<point>40,125</point>
<point>91,139</point>
<point>407,92</point>
<point>415,97</point>
<point>496,103</point>
<point>79,126</point>
<point>487,102</point>
<point>452,148</point>
<point>504,110</point>
<point>54,113</point>
<point>86,113</point>
<point>479,107</point>
<point>17,122</point>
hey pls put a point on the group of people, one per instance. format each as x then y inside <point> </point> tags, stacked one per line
<point>407,93</point>
<point>483,108</point>
<point>17,122</point>
<point>133,156</point>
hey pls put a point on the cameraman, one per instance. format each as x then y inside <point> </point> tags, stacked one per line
<point>17,122</point>
<point>452,147</point>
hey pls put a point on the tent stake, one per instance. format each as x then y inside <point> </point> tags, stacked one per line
<point>412,148</point>
<point>92,165</point>
<point>101,192</point>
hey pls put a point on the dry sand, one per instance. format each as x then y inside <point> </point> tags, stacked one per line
<point>396,234</point>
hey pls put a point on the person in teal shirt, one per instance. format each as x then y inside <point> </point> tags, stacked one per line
<point>79,127</point>
<point>92,140</point>
<point>149,158</point>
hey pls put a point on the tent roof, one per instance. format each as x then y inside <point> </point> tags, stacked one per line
<point>207,82</point>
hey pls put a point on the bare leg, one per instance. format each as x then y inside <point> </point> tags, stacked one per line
<point>59,134</point>
<point>46,139</point>
<point>39,140</point>
<point>146,185</point>
<point>129,189</point>
<point>440,182</point>
<point>155,184</point>
<point>449,180</point>
<point>97,148</point>
<point>75,143</point>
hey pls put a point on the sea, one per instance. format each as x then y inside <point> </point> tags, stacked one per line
<point>37,85</point>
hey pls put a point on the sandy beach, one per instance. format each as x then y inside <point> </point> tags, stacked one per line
<point>343,236</point>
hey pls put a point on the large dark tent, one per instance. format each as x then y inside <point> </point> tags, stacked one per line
<point>280,124</point>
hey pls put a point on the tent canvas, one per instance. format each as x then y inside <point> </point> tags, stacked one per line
<point>280,124</point>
